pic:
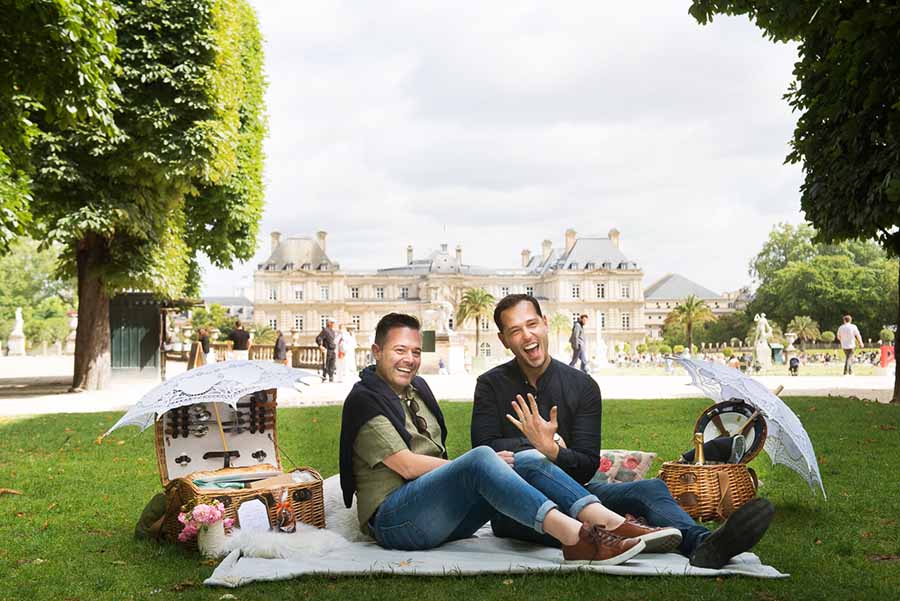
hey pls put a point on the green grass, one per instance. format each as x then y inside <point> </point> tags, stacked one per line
<point>69,536</point>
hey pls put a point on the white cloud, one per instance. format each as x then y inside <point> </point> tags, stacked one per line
<point>496,125</point>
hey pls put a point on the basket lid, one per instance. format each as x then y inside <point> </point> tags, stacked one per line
<point>733,417</point>
<point>206,437</point>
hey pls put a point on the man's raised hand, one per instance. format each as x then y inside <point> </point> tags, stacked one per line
<point>536,429</point>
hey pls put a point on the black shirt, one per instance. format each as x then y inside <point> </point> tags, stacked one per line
<point>280,352</point>
<point>241,340</point>
<point>204,344</point>
<point>579,407</point>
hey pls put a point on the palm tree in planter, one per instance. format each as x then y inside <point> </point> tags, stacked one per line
<point>692,311</point>
<point>477,304</point>
<point>806,329</point>
<point>560,323</point>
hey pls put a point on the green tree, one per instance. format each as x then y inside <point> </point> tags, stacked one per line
<point>828,337</point>
<point>560,323</point>
<point>56,65</point>
<point>786,243</point>
<point>690,312</point>
<point>886,335</point>
<point>182,176</point>
<point>216,317</point>
<point>806,329</point>
<point>846,94</point>
<point>476,304</point>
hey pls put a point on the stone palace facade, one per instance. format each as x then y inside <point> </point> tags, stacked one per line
<point>299,286</point>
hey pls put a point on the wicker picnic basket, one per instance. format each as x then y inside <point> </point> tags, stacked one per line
<point>713,491</point>
<point>184,458</point>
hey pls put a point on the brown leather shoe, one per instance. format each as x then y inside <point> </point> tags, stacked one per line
<point>596,546</point>
<point>658,540</point>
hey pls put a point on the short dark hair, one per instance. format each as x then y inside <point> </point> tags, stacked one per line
<point>511,300</point>
<point>237,323</point>
<point>391,321</point>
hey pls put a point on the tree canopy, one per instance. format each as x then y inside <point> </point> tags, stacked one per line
<point>56,66</point>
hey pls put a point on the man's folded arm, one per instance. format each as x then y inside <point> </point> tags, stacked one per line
<point>411,465</point>
<point>488,420</point>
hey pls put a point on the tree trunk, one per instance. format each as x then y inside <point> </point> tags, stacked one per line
<point>92,344</point>
<point>477,336</point>
<point>690,337</point>
<point>896,398</point>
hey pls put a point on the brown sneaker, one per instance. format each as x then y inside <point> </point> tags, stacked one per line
<point>596,546</point>
<point>658,540</point>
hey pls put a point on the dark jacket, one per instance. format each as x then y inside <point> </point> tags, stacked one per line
<point>280,352</point>
<point>204,344</point>
<point>326,339</point>
<point>240,338</point>
<point>371,397</point>
<point>579,407</point>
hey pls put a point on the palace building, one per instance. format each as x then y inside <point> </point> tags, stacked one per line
<point>300,286</point>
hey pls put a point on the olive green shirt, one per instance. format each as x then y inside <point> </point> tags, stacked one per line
<point>378,439</point>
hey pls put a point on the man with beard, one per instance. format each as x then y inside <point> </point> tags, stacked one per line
<point>410,496</point>
<point>564,428</point>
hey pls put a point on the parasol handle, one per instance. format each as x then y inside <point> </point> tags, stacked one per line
<point>219,424</point>
<point>778,390</point>
<point>749,424</point>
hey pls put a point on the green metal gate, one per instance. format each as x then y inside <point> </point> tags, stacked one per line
<point>135,330</point>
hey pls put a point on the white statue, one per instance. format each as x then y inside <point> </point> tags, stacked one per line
<point>763,333</point>
<point>446,310</point>
<point>16,341</point>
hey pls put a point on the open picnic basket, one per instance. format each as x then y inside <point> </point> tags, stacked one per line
<point>202,446</point>
<point>713,491</point>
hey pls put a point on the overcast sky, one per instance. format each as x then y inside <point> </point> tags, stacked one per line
<point>497,125</point>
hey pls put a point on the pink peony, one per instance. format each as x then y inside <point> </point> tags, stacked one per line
<point>228,523</point>
<point>605,464</point>
<point>188,533</point>
<point>631,462</point>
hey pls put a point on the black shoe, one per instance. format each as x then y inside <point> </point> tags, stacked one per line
<point>740,532</point>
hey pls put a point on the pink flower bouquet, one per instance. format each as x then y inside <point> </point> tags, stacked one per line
<point>201,515</point>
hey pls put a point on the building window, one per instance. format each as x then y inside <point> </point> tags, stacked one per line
<point>484,349</point>
<point>324,320</point>
<point>298,322</point>
<point>504,291</point>
<point>485,324</point>
<point>354,291</point>
<point>273,293</point>
<point>602,320</point>
<point>379,292</point>
<point>529,290</point>
<point>355,320</point>
<point>324,292</point>
<point>576,290</point>
<point>601,290</point>
<point>626,321</point>
<point>298,293</point>
<point>626,291</point>
<point>273,323</point>
<point>575,317</point>
<point>404,292</point>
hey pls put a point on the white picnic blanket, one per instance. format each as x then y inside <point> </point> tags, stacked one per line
<point>341,550</point>
<point>482,554</point>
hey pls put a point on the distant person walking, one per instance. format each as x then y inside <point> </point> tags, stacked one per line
<point>280,352</point>
<point>579,352</point>
<point>240,339</point>
<point>848,335</point>
<point>326,342</point>
<point>203,338</point>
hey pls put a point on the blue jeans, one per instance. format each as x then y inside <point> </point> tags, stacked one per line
<point>650,499</point>
<point>579,354</point>
<point>455,500</point>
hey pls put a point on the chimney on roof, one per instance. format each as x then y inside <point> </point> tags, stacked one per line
<point>614,237</point>
<point>409,255</point>
<point>546,247</point>
<point>320,238</point>
<point>526,257</point>
<point>444,247</point>
<point>459,254</point>
<point>276,238</point>
<point>570,239</point>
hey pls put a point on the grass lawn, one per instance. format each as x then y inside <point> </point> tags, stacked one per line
<point>69,535</point>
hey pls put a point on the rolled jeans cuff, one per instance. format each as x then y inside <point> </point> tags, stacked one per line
<point>542,512</point>
<point>581,503</point>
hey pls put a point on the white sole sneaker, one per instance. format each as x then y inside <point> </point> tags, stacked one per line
<point>662,541</point>
<point>612,561</point>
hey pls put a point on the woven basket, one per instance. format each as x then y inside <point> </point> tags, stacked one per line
<point>307,501</point>
<point>711,491</point>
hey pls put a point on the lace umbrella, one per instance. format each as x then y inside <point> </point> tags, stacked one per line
<point>787,441</point>
<point>213,383</point>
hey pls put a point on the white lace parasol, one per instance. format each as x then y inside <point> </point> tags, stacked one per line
<point>787,441</point>
<point>213,383</point>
